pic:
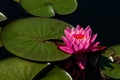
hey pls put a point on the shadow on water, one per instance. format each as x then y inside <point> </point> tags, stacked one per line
<point>4,54</point>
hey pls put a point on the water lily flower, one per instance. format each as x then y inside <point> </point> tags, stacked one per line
<point>79,41</point>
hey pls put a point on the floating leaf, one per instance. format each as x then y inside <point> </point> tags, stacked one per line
<point>2,17</point>
<point>110,62</point>
<point>116,50</point>
<point>33,38</point>
<point>47,8</point>
<point>57,74</point>
<point>19,69</point>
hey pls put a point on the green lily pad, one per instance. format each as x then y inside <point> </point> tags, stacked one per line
<point>30,38</point>
<point>113,72</point>
<point>19,69</point>
<point>47,8</point>
<point>57,74</point>
<point>109,63</point>
<point>2,17</point>
<point>117,50</point>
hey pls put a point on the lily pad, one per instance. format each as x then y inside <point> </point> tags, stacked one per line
<point>2,17</point>
<point>113,72</point>
<point>47,8</point>
<point>116,50</point>
<point>57,74</point>
<point>33,38</point>
<point>110,62</point>
<point>19,69</point>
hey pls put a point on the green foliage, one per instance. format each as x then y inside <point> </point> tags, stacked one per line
<point>110,62</point>
<point>48,8</point>
<point>33,38</point>
<point>57,74</point>
<point>19,69</point>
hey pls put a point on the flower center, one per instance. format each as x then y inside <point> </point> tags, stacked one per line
<point>78,36</point>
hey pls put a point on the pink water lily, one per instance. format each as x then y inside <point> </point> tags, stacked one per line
<point>79,41</point>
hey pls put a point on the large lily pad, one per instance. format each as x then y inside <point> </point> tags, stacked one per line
<point>110,62</point>
<point>2,17</point>
<point>19,69</point>
<point>57,74</point>
<point>30,38</point>
<point>47,8</point>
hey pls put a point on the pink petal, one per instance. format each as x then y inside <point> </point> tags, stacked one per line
<point>98,48</point>
<point>88,32</point>
<point>86,46</point>
<point>83,41</point>
<point>81,31</point>
<point>81,61</point>
<point>88,40</point>
<point>73,31</point>
<point>75,42</point>
<point>96,44</point>
<point>68,29</point>
<point>80,46</point>
<point>81,66</point>
<point>66,49</point>
<point>87,28</point>
<point>94,50</point>
<point>93,46</point>
<point>67,34</point>
<point>93,38</point>
<point>78,27</point>
<point>101,48</point>
<point>66,41</point>
<point>75,48</point>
